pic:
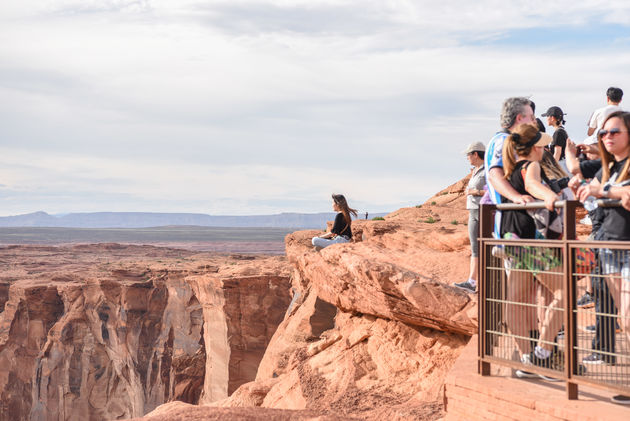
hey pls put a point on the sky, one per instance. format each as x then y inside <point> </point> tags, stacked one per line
<point>267,106</point>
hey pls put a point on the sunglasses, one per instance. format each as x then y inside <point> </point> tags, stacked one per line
<point>611,132</point>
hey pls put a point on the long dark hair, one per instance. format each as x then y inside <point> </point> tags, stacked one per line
<point>550,166</point>
<point>607,157</point>
<point>346,210</point>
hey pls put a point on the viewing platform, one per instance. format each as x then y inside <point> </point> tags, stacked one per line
<point>469,396</point>
<point>539,353</point>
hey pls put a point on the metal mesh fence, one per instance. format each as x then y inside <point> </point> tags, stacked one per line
<point>602,278</point>
<point>556,309</point>
<point>524,304</point>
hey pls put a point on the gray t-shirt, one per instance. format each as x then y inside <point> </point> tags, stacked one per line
<point>477,181</point>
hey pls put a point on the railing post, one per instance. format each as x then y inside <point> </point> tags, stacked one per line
<point>570,324</point>
<point>568,219</point>
<point>486,227</point>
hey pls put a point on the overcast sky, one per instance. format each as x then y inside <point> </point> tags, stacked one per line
<point>256,107</point>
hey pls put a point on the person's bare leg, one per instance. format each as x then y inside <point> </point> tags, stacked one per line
<point>520,290</point>
<point>554,315</point>
<point>543,298</point>
<point>474,267</point>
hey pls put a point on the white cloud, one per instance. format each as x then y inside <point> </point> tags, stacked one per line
<point>267,101</point>
<point>274,188</point>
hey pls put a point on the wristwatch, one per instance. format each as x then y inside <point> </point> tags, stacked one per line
<point>606,190</point>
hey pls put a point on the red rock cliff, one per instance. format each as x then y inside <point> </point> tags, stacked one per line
<point>365,330</point>
<point>375,325</point>
<point>111,332</point>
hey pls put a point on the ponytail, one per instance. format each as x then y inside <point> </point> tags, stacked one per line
<point>519,143</point>
<point>509,153</point>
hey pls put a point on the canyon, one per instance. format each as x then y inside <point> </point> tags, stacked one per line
<point>364,330</point>
<point>111,331</point>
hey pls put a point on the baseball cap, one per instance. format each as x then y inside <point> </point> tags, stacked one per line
<point>554,111</point>
<point>475,147</point>
<point>544,140</point>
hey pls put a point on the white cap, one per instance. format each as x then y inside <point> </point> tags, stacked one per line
<point>475,147</point>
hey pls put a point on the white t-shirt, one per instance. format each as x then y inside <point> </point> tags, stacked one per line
<point>597,121</point>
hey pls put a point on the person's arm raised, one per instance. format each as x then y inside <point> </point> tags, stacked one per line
<point>573,164</point>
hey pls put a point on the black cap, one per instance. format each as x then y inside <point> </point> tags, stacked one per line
<point>554,112</point>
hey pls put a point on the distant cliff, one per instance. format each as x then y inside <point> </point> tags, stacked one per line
<point>151,219</point>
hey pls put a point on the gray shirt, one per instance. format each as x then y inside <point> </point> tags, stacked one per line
<point>477,181</point>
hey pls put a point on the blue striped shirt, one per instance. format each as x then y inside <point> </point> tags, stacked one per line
<point>494,159</point>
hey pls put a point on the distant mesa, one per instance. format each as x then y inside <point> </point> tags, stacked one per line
<point>152,219</point>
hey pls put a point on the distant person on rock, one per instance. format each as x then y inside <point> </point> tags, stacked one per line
<point>341,231</point>
<point>474,192</point>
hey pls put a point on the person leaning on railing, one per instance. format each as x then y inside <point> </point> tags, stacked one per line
<point>597,292</point>
<point>522,153</point>
<point>614,146</point>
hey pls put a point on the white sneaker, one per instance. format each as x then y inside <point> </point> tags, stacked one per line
<point>522,374</point>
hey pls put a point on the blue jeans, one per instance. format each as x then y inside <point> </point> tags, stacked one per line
<point>325,242</point>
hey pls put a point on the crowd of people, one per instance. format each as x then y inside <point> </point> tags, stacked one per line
<point>523,164</point>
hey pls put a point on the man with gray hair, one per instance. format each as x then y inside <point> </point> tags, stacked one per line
<point>519,318</point>
<point>515,111</point>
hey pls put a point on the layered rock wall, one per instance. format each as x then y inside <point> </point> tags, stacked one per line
<point>375,325</point>
<point>369,329</point>
<point>113,339</point>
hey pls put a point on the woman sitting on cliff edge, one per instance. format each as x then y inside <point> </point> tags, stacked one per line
<point>341,231</point>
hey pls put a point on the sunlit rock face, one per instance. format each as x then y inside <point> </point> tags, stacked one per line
<point>111,332</point>
<point>365,330</point>
<point>375,325</point>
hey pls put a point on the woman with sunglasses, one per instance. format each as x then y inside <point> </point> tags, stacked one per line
<point>341,231</point>
<point>609,182</point>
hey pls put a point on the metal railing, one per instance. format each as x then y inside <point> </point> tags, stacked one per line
<point>528,297</point>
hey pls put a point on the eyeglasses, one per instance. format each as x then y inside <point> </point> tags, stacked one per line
<point>612,132</point>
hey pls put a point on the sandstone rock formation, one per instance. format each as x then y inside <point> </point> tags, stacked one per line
<point>374,326</point>
<point>179,411</point>
<point>111,332</point>
<point>366,330</point>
